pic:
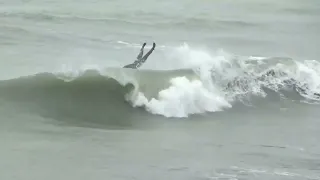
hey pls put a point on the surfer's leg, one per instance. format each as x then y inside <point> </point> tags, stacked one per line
<point>145,57</point>
<point>141,51</point>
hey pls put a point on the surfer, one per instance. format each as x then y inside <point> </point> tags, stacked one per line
<point>140,60</point>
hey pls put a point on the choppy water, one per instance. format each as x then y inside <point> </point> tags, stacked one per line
<point>232,90</point>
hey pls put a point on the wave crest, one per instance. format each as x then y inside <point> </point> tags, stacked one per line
<point>208,83</point>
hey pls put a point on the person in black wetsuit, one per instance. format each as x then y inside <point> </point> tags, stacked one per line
<point>140,60</point>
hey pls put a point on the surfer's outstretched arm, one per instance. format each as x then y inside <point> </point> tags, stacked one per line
<point>141,51</point>
<point>145,57</point>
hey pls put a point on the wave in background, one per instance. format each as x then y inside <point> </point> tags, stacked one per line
<point>199,82</point>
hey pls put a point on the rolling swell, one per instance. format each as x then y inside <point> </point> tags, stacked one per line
<point>89,97</point>
<point>100,95</point>
<point>139,20</point>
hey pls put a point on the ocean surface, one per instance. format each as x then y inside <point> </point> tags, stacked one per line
<point>231,92</point>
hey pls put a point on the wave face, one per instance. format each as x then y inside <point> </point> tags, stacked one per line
<point>205,82</point>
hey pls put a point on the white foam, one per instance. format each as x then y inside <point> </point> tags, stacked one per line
<point>185,56</point>
<point>188,96</point>
<point>309,73</point>
<point>182,98</point>
<point>192,96</point>
<point>215,69</point>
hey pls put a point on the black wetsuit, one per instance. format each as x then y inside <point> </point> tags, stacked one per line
<point>140,60</point>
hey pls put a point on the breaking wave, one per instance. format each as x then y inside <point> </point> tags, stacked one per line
<point>204,82</point>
